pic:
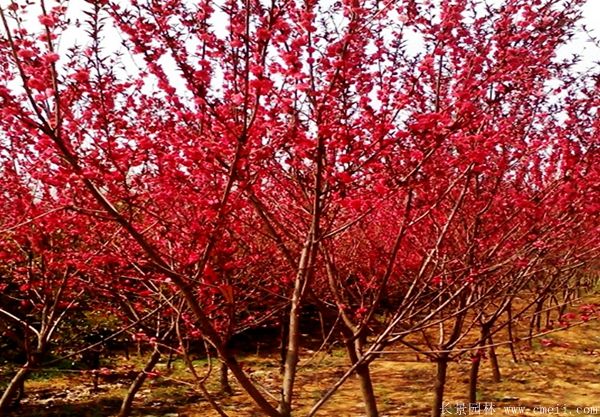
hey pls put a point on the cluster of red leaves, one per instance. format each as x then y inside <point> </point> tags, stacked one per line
<point>470,162</point>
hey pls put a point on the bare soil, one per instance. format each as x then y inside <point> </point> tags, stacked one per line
<point>560,376</point>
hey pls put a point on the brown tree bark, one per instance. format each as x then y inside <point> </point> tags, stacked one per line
<point>511,337</point>
<point>364,377</point>
<point>137,383</point>
<point>474,377</point>
<point>224,379</point>
<point>440,384</point>
<point>497,376</point>
<point>14,391</point>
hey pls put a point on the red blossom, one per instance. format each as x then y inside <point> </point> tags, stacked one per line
<point>51,58</point>
<point>47,20</point>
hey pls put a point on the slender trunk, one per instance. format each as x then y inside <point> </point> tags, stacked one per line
<point>16,387</point>
<point>322,323</point>
<point>476,362</point>
<point>364,378</point>
<point>284,334</point>
<point>293,342</point>
<point>497,377</point>
<point>535,321</point>
<point>137,384</point>
<point>566,300</point>
<point>14,391</point>
<point>473,377</point>
<point>549,312</point>
<point>291,357</point>
<point>302,281</point>
<point>366,389</point>
<point>511,338</point>
<point>248,385</point>
<point>224,379</point>
<point>170,361</point>
<point>440,383</point>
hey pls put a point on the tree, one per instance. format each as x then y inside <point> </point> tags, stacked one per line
<point>294,136</point>
<point>43,275</point>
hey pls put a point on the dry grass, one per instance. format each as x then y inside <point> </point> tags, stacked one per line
<point>567,375</point>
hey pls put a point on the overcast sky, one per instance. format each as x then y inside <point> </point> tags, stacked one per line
<point>580,45</point>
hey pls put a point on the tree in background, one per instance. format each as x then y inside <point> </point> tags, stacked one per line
<point>302,152</point>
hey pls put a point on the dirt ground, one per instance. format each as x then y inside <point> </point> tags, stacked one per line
<point>558,375</point>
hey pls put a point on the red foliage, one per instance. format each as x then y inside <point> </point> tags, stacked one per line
<point>283,145</point>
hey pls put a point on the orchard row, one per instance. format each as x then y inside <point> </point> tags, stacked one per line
<point>419,174</point>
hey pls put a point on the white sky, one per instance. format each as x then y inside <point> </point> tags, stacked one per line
<point>113,39</point>
<point>591,19</point>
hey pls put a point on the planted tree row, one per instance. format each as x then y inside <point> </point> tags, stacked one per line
<point>416,174</point>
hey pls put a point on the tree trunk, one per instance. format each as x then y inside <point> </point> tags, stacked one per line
<point>224,379</point>
<point>364,377</point>
<point>137,384</point>
<point>366,389</point>
<point>440,383</point>
<point>16,387</point>
<point>293,341</point>
<point>14,391</point>
<point>473,377</point>
<point>511,338</point>
<point>283,334</point>
<point>535,324</point>
<point>170,361</point>
<point>301,282</point>
<point>292,352</point>
<point>565,304</point>
<point>476,361</point>
<point>497,377</point>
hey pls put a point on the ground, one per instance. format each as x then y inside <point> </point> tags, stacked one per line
<point>559,376</point>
